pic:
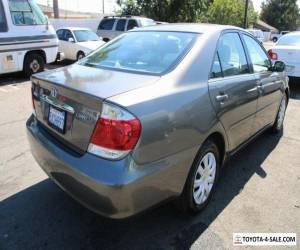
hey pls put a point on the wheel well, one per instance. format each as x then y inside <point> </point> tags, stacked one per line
<point>218,138</point>
<point>80,51</point>
<point>40,52</point>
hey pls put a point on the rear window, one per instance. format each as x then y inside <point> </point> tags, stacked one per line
<point>149,52</point>
<point>289,40</point>
<point>106,24</point>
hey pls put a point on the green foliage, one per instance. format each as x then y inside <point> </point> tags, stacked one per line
<point>282,14</point>
<point>230,12</point>
<point>167,10</point>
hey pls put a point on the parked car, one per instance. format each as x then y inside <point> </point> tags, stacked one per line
<point>275,37</point>
<point>76,43</point>
<point>112,26</point>
<point>153,115</point>
<point>27,40</point>
<point>287,49</point>
<point>258,34</point>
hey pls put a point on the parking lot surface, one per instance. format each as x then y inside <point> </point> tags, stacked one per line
<point>259,191</point>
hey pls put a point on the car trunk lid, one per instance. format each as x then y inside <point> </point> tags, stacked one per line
<point>288,54</point>
<point>68,101</point>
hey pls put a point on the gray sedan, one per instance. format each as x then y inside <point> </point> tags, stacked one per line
<point>153,115</point>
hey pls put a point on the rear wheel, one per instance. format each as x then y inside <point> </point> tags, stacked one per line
<point>274,39</point>
<point>33,63</point>
<point>80,55</point>
<point>202,179</point>
<point>278,124</point>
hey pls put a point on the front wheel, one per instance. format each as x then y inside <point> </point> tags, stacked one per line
<point>278,124</point>
<point>202,179</point>
<point>274,39</point>
<point>33,63</point>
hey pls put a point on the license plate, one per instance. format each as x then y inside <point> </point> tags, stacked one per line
<point>56,119</point>
<point>289,68</point>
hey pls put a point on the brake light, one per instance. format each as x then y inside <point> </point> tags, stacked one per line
<point>273,55</point>
<point>116,133</point>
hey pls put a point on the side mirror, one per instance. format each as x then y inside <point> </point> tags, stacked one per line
<point>71,40</point>
<point>279,66</point>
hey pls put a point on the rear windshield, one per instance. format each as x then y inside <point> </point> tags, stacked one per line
<point>149,52</point>
<point>289,40</point>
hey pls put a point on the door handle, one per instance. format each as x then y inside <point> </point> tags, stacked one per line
<point>222,98</point>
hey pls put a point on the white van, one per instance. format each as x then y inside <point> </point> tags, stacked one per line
<point>27,41</point>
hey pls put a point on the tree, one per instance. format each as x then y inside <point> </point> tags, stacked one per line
<point>230,12</point>
<point>55,9</point>
<point>282,14</point>
<point>167,10</point>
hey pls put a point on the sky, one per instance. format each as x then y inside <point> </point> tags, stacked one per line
<point>96,5</point>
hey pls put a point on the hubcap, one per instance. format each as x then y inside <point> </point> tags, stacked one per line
<point>80,56</point>
<point>281,113</point>
<point>204,178</point>
<point>34,66</point>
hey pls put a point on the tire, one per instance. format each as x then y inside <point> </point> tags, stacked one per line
<point>33,63</point>
<point>80,55</point>
<point>105,39</point>
<point>275,39</point>
<point>278,123</point>
<point>188,201</point>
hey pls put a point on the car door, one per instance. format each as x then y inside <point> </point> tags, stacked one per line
<point>233,89</point>
<point>69,47</point>
<point>120,27</point>
<point>268,84</point>
<point>106,28</point>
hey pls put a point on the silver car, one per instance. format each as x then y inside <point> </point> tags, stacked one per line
<point>153,115</point>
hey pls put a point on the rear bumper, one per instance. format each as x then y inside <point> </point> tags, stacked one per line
<point>115,189</point>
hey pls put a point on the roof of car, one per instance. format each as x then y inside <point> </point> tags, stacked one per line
<point>188,27</point>
<point>74,28</point>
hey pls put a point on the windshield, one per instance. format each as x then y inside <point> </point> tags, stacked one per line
<point>151,52</point>
<point>289,40</point>
<point>26,12</point>
<point>85,35</point>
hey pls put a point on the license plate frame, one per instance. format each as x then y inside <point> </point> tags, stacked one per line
<point>54,115</point>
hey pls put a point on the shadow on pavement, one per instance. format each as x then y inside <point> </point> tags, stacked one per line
<point>44,217</point>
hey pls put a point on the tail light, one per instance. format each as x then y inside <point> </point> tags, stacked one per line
<point>273,55</point>
<point>116,133</point>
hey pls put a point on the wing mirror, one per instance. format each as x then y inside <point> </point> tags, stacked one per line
<point>279,66</point>
<point>71,40</point>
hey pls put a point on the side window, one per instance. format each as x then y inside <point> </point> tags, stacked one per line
<point>258,57</point>
<point>3,23</point>
<point>60,34</point>
<point>232,55</point>
<point>121,25</point>
<point>131,24</point>
<point>106,24</point>
<point>68,34</point>
<point>216,70</point>
<point>26,12</point>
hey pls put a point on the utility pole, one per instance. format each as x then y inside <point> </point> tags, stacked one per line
<point>246,13</point>
<point>103,10</point>
<point>55,9</point>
